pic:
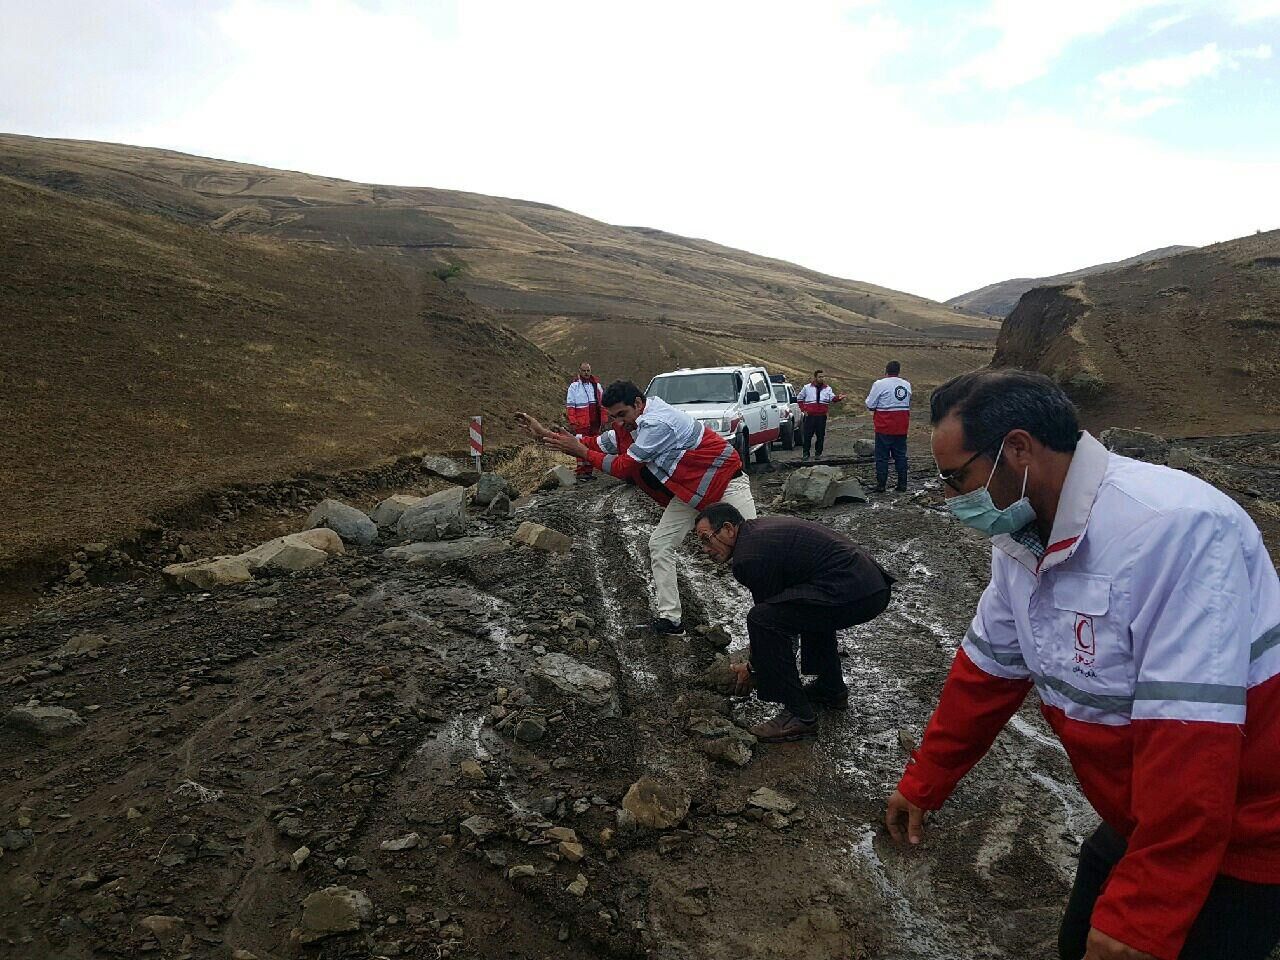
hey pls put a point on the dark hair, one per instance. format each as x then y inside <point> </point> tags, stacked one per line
<point>621,391</point>
<point>718,514</point>
<point>990,403</point>
<point>893,368</point>
<point>816,372</point>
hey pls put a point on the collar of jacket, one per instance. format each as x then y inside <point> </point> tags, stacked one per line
<point>1079,492</point>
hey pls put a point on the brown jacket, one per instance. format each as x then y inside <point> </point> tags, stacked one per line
<point>784,558</point>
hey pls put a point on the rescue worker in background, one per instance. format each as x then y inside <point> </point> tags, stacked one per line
<point>890,404</point>
<point>1141,604</point>
<point>815,399</point>
<point>654,445</point>
<point>584,410</point>
<point>806,581</point>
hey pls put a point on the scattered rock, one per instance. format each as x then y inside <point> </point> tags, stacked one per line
<point>388,512</point>
<point>656,804</point>
<point>531,728</point>
<point>562,673</point>
<point>579,887</point>
<point>472,770</point>
<point>352,525</point>
<point>499,506</point>
<point>298,858</point>
<point>446,468</point>
<point>334,910</point>
<point>441,516</point>
<point>720,676</point>
<point>522,870</point>
<point>442,551</point>
<point>16,839</point>
<point>490,486</point>
<point>820,486</point>
<point>1181,458</point>
<point>721,738</point>
<point>1135,443</point>
<point>561,834</point>
<point>44,721</point>
<point>296,551</point>
<point>906,741</point>
<point>207,574</point>
<point>84,643</point>
<point>543,538</point>
<point>573,852</point>
<point>767,799</point>
<point>408,842</point>
<point>479,827</point>
<point>163,928</point>
<point>714,634</point>
<point>559,477</point>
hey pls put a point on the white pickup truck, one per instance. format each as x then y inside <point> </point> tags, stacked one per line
<point>736,402</point>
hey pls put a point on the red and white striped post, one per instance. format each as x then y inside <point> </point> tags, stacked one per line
<point>477,440</point>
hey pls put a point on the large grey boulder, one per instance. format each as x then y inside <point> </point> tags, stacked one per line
<point>446,468</point>
<point>490,486</point>
<point>559,477</point>
<point>820,486</point>
<point>207,574</point>
<point>388,512</point>
<point>441,516</point>
<point>442,551</point>
<point>295,551</point>
<point>44,721</point>
<point>558,672</point>
<point>352,525</point>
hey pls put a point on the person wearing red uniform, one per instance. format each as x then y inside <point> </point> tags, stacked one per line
<point>584,410</point>
<point>1142,606</point>
<point>815,399</point>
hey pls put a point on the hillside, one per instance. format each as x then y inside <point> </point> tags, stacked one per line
<point>143,361</point>
<point>999,299</point>
<point>1184,345</point>
<point>527,260</point>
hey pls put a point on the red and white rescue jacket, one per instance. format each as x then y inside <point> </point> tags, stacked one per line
<point>890,399</point>
<point>614,442</point>
<point>694,464</point>
<point>583,405</point>
<point>816,401</point>
<point>1150,628</point>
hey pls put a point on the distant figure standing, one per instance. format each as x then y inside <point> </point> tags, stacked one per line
<point>583,407</point>
<point>890,403</point>
<point>815,399</point>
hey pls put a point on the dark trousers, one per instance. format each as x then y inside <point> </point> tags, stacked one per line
<point>888,445</point>
<point>1239,920</point>
<point>773,628</point>
<point>815,428</point>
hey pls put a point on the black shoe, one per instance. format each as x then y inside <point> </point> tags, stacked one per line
<point>823,697</point>
<point>901,488</point>
<point>879,489</point>
<point>669,628</point>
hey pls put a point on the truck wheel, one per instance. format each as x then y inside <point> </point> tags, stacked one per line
<point>788,437</point>
<point>743,444</point>
<point>762,455</point>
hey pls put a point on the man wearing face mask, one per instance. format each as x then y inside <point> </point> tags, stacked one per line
<point>807,581</point>
<point>1141,604</point>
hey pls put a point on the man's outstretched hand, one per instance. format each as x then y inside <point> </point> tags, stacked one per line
<point>904,819</point>
<point>566,443</point>
<point>532,426</point>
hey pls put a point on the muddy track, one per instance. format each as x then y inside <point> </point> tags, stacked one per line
<point>333,710</point>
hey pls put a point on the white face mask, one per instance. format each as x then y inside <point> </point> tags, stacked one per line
<point>976,509</point>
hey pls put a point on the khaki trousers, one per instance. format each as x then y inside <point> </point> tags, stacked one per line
<point>677,521</point>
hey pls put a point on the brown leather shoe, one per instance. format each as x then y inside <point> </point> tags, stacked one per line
<point>785,728</point>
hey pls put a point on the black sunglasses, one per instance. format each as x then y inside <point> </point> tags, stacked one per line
<point>949,478</point>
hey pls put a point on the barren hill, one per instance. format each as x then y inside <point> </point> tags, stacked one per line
<point>999,299</point>
<point>1184,345</point>
<point>144,362</point>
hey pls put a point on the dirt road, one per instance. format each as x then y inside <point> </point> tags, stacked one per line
<point>245,749</point>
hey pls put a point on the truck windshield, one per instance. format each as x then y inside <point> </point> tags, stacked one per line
<point>695,388</point>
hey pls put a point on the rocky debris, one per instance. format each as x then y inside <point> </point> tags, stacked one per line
<point>720,676</point>
<point>820,486</point>
<point>333,910</point>
<point>352,525</point>
<point>84,643</point>
<point>461,472</point>
<point>163,928</point>
<point>499,506</point>
<point>543,538</point>
<point>295,551</point>
<point>559,477</point>
<point>13,840</point>
<point>472,770</point>
<point>44,721</point>
<point>521,870</point>
<point>571,850</point>
<point>862,447</point>
<point>578,887</point>
<point>298,858</point>
<point>491,486</point>
<point>721,738</point>
<point>441,516</point>
<point>207,574</point>
<point>714,634</point>
<point>561,673</point>
<point>655,804</point>
<point>530,728</point>
<point>770,800</point>
<point>479,827</point>
<point>388,512</point>
<point>444,551</point>
<point>408,842</point>
<point>1135,443</point>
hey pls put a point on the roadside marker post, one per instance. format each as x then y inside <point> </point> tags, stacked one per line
<point>477,440</point>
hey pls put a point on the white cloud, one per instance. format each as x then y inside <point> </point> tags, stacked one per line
<point>1180,70</point>
<point>1251,11</point>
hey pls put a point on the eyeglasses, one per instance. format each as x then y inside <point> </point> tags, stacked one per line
<point>949,478</point>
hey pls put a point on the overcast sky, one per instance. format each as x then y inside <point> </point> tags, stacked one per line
<point>928,146</point>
